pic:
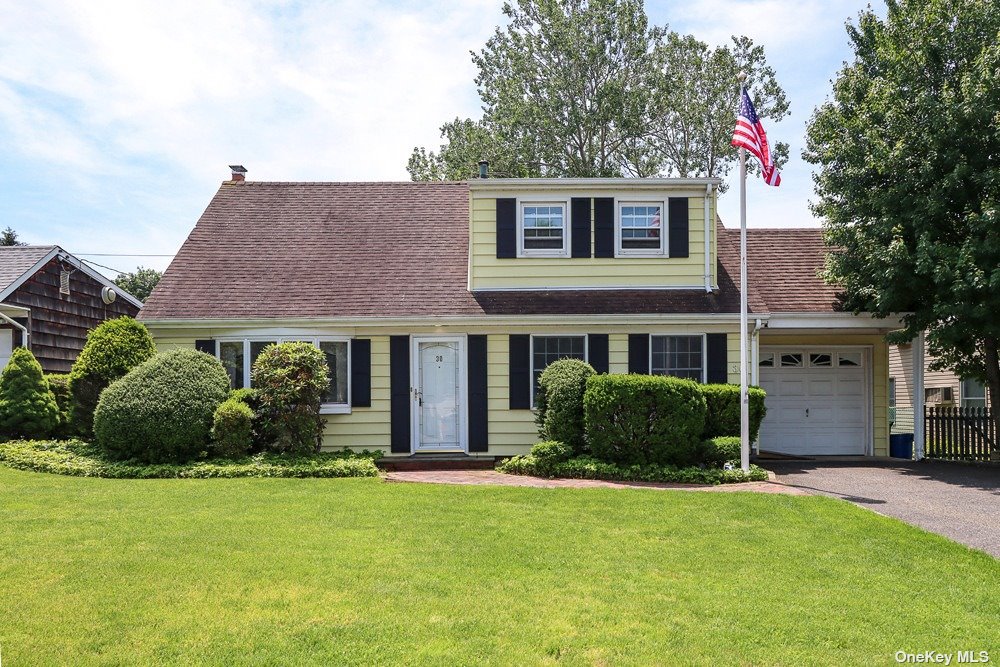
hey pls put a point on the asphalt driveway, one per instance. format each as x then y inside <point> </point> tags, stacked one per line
<point>958,501</point>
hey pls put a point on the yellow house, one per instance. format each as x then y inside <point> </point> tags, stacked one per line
<point>439,304</point>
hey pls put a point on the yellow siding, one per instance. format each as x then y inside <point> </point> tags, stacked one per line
<point>488,272</point>
<point>510,431</point>
<point>880,374</point>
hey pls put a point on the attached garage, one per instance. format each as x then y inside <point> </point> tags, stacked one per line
<point>818,400</point>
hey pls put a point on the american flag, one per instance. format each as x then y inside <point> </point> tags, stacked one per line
<point>749,134</point>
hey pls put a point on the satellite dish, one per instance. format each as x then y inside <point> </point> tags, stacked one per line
<point>108,295</point>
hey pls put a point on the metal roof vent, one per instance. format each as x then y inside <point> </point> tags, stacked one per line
<point>64,282</point>
<point>108,295</point>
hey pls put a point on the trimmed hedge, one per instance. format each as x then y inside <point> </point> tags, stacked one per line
<point>559,403</point>
<point>28,409</point>
<point>550,452</point>
<point>232,429</point>
<point>586,467</point>
<point>112,349</point>
<point>721,450</point>
<point>644,419</point>
<point>80,459</point>
<point>291,379</point>
<point>723,417</point>
<point>162,410</point>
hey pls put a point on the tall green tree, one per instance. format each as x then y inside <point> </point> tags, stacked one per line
<point>139,283</point>
<point>574,88</point>
<point>696,100</point>
<point>908,151</point>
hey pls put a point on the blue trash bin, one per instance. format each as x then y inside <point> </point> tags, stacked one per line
<point>901,446</point>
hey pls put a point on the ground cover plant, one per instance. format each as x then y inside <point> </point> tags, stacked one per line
<point>80,459</point>
<point>363,572</point>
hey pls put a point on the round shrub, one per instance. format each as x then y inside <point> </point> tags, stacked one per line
<point>28,408</point>
<point>720,450</point>
<point>112,349</point>
<point>291,379</point>
<point>640,419</point>
<point>559,403</point>
<point>552,451</point>
<point>232,429</point>
<point>161,411</point>
<point>723,417</point>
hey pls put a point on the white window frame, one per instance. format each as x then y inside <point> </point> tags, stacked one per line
<point>567,227</point>
<point>325,408</point>
<point>674,334</point>
<point>962,397</point>
<point>531,355</point>
<point>664,249</point>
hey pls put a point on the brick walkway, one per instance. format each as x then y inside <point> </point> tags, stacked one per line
<point>481,477</point>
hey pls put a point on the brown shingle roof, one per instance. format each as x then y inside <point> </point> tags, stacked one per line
<point>15,260</point>
<point>325,250</point>
<point>783,266</point>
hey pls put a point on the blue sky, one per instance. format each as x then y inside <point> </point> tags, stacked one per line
<point>118,120</point>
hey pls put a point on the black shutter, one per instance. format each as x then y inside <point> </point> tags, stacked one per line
<point>678,237</point>
<point>717,349</point>
<point>399,394</point>
<point>478,408</point>
<point>597,352</point>
<point>207,346</point>
<point>361,373</point>
<point>638,353</point>
<point>604,227</point>
<point>506,228</point>
<point>520,371</point>
<point>580,208</point>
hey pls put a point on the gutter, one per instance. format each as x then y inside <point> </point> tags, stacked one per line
<point>24,329</point>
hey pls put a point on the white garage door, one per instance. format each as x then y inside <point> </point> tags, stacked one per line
<point>816,401</point>
<point>6,346</point>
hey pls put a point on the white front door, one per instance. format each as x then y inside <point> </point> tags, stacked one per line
<point>6,346</point>
<point>817,400</point>
<point>438,388</point>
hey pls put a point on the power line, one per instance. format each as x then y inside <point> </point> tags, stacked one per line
<point>104,267</point>
<point>116,254</point>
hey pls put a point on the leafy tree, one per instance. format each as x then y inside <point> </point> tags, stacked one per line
<point>574,88</point>
<point>28,408</point>
<point>113,348</point>
<point>695,97</point>
<point>909,177</point>
<point>9,237</point>
<point>139,283</point>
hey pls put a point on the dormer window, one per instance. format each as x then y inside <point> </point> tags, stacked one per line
<point>543,230</point>
<point>640,228</point>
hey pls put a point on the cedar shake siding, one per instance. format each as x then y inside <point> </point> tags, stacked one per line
<point>58,323</point>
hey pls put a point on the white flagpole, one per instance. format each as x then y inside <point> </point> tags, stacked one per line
<point>744,399</point>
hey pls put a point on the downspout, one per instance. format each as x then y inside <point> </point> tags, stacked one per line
<point>24,330</point>
<point>708,239</point>
<point>755,366</point>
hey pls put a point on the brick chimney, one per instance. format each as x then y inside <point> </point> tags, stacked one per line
<point>239,172</point>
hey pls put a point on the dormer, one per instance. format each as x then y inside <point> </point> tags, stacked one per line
<point>593,233</point>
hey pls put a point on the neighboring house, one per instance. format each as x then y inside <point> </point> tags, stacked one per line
<point>439,304</point>
<point>49,300</point>
<point>941,388</point>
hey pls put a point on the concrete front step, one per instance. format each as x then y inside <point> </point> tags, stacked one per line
<point>419,462</point>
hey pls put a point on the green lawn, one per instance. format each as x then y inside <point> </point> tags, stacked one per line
<point>264,571</point>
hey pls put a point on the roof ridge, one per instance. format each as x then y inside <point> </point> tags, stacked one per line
<point>352,183</point>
